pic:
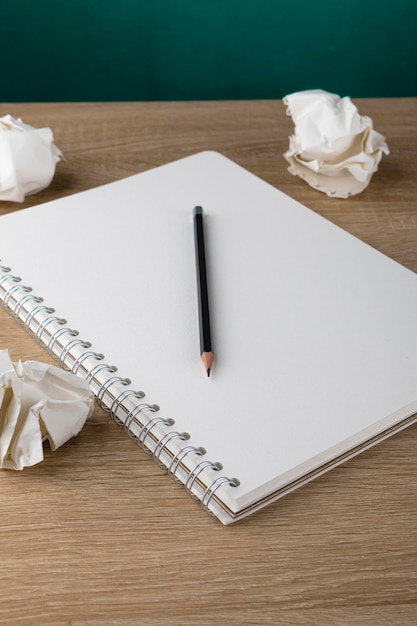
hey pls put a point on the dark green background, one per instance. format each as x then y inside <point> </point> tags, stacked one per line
<point>92,50</point>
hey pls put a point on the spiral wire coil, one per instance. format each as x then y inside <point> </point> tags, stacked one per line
<point>49,331</point>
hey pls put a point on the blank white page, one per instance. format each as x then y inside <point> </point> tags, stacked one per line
<point>314,332</point>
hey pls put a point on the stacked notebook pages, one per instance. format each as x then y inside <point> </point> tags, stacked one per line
<point>314,331</point>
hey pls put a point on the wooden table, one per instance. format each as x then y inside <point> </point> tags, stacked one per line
<point>98,535</point>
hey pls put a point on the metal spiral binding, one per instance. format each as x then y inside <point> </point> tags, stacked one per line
<point>55,336</point>
<point>7,277</point>
<point>42,326</point>
<point>133,415</point>
<point>178,459</point>
<point>118,401</point>
<point>194,473</point>
<point>65,351</point>
<point>212,488</point>
<point>98,368</point>
<point>161,445</point>
<point>13,289</point>
<point>90,353</point>
<point>32,315</point>
<point>20,304</point>
<point>105,387</point>
<point>146,430</point>
<point>176,466</point>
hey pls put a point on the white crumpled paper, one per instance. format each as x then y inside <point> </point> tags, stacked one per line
<point>333,148</point>
<point>28,158</point>
<point>38,402</point>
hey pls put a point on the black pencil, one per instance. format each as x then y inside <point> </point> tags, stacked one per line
<point>206,348</point>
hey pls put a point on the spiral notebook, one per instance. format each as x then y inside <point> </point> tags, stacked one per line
<point>314,331</point>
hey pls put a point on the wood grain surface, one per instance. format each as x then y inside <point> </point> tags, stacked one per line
<point>97,534</point>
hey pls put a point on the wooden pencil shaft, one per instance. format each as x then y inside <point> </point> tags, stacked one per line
<point>202,286</point>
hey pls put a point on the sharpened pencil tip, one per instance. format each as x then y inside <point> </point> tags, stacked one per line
<point>207,358</point>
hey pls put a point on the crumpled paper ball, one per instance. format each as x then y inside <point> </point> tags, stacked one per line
<point>333,148</point>
<point>28,158</point>
<point>38,402</point>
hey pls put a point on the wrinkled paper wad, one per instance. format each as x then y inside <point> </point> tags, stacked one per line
<point>38,402</point>
<point>28,158</point>
<point>333,148</point>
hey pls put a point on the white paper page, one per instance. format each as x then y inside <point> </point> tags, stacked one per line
<point>314,332</point>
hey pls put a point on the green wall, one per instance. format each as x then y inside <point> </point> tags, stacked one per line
<point>101,50</point>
